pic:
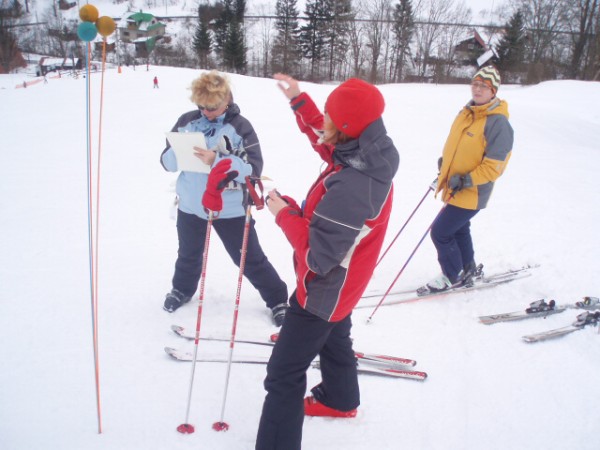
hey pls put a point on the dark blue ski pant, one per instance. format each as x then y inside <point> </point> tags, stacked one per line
<point>191,231</point>
<point>303,336</point>
<point>451,235</point>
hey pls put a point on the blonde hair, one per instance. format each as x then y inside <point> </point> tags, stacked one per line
<point>210,89</point>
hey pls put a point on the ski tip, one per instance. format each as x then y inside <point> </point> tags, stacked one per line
<point>412,375</point>
<point>171,352</point>
<point>177,329</point>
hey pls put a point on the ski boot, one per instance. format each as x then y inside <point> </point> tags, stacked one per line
<point>589,303</point>
<point>278,312</point>
<point>440,283</point>
<point>587,318</point>
<point>174,300</point>
<point>312,407</point>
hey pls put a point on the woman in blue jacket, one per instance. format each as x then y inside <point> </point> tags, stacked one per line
<point>219,119</point>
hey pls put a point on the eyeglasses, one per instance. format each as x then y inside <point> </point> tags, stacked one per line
<point>209,108</point>
<point>480,85</point>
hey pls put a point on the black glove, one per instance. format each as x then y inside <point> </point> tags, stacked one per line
<point>459,182</point>
<point>440,161</point>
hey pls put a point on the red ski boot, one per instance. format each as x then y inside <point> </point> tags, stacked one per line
<point>312,407</point>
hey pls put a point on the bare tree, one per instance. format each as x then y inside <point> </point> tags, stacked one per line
<point>583,15</point>
<point>545,20</point>
<point>379,16</point>
<point>433,13</point>
<point>449,38</point>
<point>265,40</point>
<point>356,41</point>
<point>403,28</point>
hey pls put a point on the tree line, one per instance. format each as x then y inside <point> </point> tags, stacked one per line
<point>399,40</point>
<point>382,41</point>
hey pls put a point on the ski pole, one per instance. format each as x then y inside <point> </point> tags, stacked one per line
<point>186,427</point>
<point>404,266</point>
<point>431,188</point>
<point>254,198</point>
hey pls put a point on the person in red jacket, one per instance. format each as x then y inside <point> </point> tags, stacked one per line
<point>336,237</point>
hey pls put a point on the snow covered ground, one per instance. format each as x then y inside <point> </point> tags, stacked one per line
<point>487,389</point>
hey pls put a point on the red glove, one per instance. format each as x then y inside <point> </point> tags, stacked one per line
<point>217,180</point>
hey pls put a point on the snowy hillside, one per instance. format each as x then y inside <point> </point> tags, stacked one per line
<point>487,389</point>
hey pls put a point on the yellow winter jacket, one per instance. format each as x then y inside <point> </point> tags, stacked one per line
<point>479,144</point>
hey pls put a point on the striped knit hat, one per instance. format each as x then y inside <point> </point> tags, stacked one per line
<point>490,76</point>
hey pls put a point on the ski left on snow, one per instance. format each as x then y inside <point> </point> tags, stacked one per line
<point>541,308</point>
<point>582,320</point>
<point>363,367</point>
<point>373,364</point>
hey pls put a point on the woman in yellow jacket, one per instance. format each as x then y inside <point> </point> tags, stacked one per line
<point>475,155</point>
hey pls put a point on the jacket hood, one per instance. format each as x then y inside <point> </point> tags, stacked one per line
<point>373,153</point>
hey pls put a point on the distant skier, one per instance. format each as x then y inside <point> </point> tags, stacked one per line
<point>475,155</point>
<point>155,82</point>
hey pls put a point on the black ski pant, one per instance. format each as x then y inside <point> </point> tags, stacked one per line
<point>303,336</point>
<point>451,235</point>
<point>191,231</point>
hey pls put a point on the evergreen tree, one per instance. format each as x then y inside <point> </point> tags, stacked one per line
<point>234,54</point>
<point>221,25</point>
<point>313,35</point>
<point>511,48</point>
<point>286,52</point>
<point>230,43</point>
<point>337,33</point>
<point>404,27</point>
<point>202,41</point>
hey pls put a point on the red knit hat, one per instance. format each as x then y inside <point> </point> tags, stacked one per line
<point>354,105</point>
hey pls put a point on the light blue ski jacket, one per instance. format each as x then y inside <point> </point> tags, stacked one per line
<point>246,159</point>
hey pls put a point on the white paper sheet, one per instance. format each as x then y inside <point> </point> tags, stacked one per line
<point>183,144</point>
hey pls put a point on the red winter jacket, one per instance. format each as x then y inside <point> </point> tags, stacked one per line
<point>338,234</point>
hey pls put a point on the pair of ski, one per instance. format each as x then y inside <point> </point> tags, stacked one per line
<point>479,281</point>
<point>542,308</point>
<point>369,364</point>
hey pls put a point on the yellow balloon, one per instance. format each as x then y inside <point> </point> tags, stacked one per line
<point>88,13</point>
<point>106,26</point>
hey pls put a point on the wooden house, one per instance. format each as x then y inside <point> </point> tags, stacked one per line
<point>467,52</point>
<point>140,26</point>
